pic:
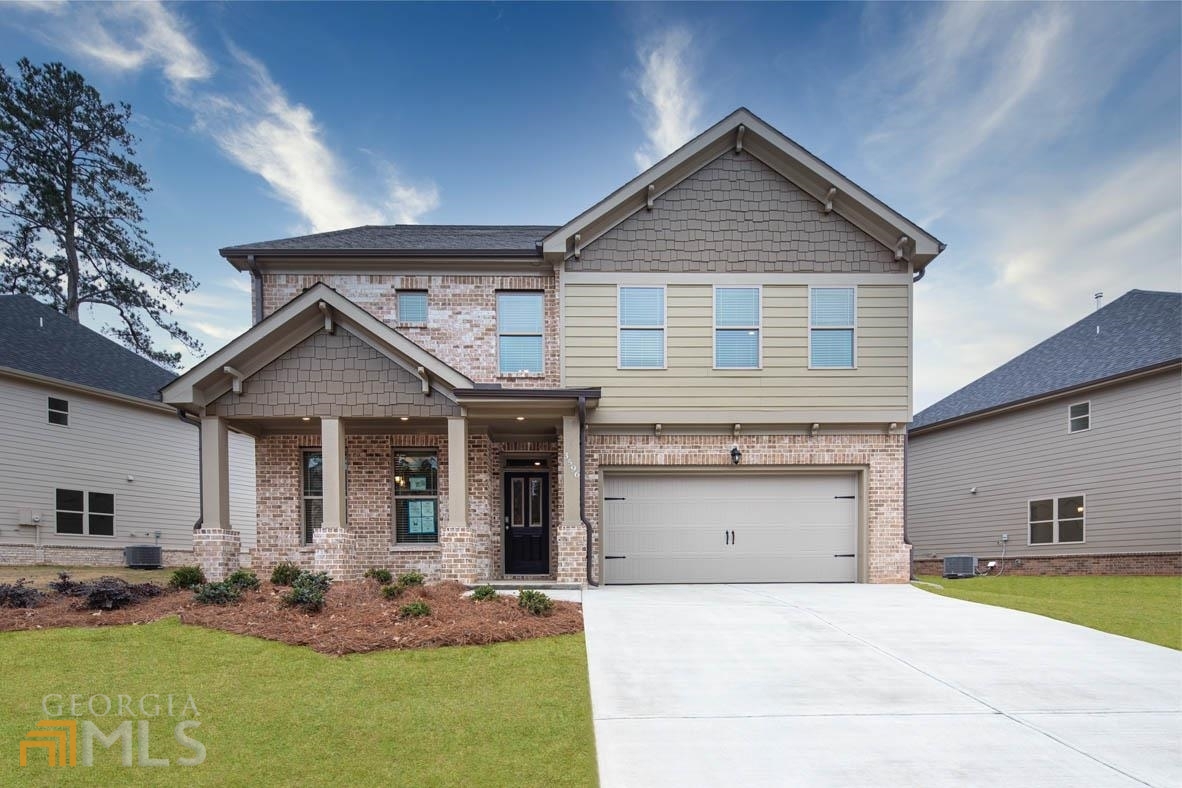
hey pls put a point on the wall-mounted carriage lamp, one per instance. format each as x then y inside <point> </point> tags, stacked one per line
<point>736,455</point>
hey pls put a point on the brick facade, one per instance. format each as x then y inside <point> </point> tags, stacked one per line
<point>736,214</point>
<point>461,325</point>
<point>1104,564</point>
<point>57,555</point>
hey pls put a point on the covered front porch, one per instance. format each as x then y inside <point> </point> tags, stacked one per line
<point>371,453</point>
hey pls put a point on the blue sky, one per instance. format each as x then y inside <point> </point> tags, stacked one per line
<point>1042,142</point>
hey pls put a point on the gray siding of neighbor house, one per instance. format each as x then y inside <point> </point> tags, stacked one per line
<point>736,215</point>
<point>333,375</point>
<point>104,443</point>
<point>1129,465</point>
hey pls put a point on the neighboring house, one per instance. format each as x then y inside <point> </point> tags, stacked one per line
<point>1071,453</point>
<point>703,377</point>
<point>92,460</point>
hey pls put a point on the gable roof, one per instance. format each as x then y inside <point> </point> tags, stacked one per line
<point>453,240</point>
<point>289,325</point>
<point>37,339</point>
<point>743,130</point>
<point>1139,331</point>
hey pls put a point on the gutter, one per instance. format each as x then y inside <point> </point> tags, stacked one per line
<point>187,419</point>
<point>583,485</point>
<point>257,276</point>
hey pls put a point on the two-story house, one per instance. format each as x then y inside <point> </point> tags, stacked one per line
<point>704,377</point>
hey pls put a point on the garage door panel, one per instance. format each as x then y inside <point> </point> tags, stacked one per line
<point>672,528</point>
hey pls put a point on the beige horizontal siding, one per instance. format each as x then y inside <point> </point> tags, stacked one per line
<point>784,383</point>
<point>1129,465</point>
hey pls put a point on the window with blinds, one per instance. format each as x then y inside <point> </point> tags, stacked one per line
<point>416,497</point>
<point>736,328</point>
<point>642,328</point>
<point>832,327</point>
<point>312,486</point>
<point>519,332</point>
<point>412,307</point>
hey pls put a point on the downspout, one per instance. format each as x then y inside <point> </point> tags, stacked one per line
<point>918,275</point>
<point>583,486</point>
<point>257,276</point>
<point>906,536</point>
<point>187,419</point>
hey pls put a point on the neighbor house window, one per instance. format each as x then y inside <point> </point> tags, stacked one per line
<point>59,411</point>
<point>831,327</point>
<point>313,493</point>
<point>416,497</point>
<point>1057,520</point>
<point>85,513</point>
<point>519,332</point>
<point>642,327</point>
<point>412,307</point>
<point>736,328</point>
<point>1079,417</point>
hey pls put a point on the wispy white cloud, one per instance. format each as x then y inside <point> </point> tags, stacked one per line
<point>246,113</point>
<point>666,97</point>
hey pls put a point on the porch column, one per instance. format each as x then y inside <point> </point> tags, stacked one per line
<point>572,536</point>
<point>332,447</point>
<point>457,472</point>
<point>215,474</point>
<point>215,546</point>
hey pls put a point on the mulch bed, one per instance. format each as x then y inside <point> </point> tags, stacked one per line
<point>356,618</point>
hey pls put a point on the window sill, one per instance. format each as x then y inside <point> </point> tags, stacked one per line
<point>422,547</point>
<point>410,325</point>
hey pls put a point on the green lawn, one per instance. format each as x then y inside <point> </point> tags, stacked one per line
<point>1145,608</point>
<point>509,714</point>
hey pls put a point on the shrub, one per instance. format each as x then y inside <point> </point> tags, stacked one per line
<point>408,579</point>
<point>534,602</point>
<point>186,577</point>
<point>383,576</point>
<point>285,573</point>
<point>19,594</point>
<point>222,593</point>
<point>392,591</point>
<point>106,593</point>
<point>415,610</point>
<point>308,591</point>
<point>244,580</point>
<point>481,593</point>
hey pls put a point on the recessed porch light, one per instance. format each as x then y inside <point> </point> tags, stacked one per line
<point>521,418</point>
<point>404,418</point>
<point>305,418</point>
<point>537,463</point>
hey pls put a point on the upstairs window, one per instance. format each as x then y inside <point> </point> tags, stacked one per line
<point>736,328</point>
<point>84,513</point>
<point>59,411</point>
<point>312,473</point>
<point>831,327</point>
<point>642,327</point>
<point>519,332</point>
<point>412,307</point>
<point>1079,417</point>
<point>1057,520</point>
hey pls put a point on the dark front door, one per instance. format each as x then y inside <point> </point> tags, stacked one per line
<point>527,523</point>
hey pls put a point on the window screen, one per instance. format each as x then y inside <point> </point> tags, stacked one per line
<point>831,327</point>
<point>412,307</point>
<point>736,327</point>
<point>519,332</point>
<point>642,327</point>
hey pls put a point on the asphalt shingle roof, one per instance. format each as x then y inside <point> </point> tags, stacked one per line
<point>410,238</point>
<point>1141,329</point>
<point>37,338</point>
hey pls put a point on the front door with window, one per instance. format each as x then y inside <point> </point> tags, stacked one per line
<point>527,523</point>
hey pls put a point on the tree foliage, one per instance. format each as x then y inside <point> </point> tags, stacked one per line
<point>71,224</point>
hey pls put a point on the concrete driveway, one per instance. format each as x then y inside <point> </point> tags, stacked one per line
<point>869,685</point>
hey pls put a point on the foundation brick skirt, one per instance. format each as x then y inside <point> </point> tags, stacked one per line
<point>335,552</point>
<point>1105,564</point>
<point>217,551</point>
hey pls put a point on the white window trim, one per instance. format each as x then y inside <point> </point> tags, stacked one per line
<point>398,305</point>
<point>1088,428</point>
<point>664,327</point>
<point>50,409</point>
<point>810,329</point>
<point>716,328</point>
<point>1055,519</point>
<point>304,497</point>
<point>86,513</point>
<point>542,334</point>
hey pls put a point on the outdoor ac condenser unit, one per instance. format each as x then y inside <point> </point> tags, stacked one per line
<point>960,566</point>
<point>143,556</point>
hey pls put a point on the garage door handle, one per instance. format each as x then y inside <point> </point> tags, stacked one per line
<point>844,497</point>
<point>726,535</point>
<point>732,537</point>
<point>611,557</point>
<point>843,555</point>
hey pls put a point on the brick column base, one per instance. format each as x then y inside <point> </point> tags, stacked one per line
<point>335,553</point>
<point>572,554</point>
<point>216,551</point>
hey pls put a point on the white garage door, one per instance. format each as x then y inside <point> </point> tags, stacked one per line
<point>733,528</point>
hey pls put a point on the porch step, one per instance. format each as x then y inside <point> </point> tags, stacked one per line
<point>513,585</point>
